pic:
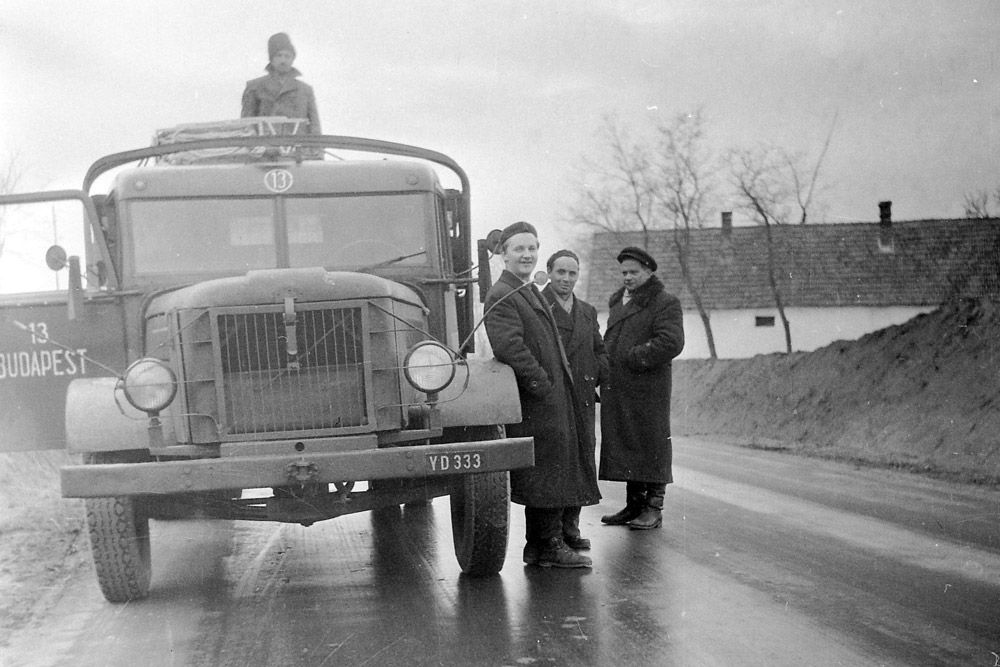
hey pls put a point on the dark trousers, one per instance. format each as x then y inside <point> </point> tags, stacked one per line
<point>639,493</point>
<point>571,522</point>
<point>542,523</point>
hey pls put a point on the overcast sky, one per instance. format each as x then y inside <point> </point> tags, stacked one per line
<point>515,91</point>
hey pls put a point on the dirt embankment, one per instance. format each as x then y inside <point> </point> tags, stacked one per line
<point>923,395</point>
<point>42,537</point>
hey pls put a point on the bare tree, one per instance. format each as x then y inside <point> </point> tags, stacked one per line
<point>977,204</point>
<point>615,195</point>
<point>763,190</point>
<point>10,177</point>
<point>773,186</point>
<point>658,184</point>
<point>683,176</point>
<point>804,191</point>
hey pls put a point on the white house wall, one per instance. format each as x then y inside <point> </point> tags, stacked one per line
<point>737,334</point>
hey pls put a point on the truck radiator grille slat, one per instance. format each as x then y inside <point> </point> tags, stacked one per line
<point>268,389</point>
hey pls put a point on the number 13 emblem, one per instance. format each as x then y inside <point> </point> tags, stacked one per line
<point>278,180</point>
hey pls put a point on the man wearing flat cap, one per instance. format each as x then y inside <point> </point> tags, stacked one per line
<point>279,92</point>
<point>523,335</point>
<point>645,332</point>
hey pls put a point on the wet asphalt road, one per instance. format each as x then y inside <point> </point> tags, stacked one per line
<point>764,559</point>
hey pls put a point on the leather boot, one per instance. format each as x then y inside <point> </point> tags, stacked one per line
<point>571,529</point>
<point>555,553</point>
<point>651,515</point>
<point>635,500</point>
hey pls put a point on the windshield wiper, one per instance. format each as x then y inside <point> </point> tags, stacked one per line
<point>392,261</point>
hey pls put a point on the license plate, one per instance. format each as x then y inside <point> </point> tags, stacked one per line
<point>454,462</point>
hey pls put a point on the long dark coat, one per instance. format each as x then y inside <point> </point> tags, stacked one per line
<point>271,95</point>
<point>642,338</point>
<point>581,338</point>
<point>522,334</point>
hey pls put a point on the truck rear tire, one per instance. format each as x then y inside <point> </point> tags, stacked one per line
<point>480,520</point>
<point>119,543</point>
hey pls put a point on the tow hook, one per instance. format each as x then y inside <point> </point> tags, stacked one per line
<point>302,472</point>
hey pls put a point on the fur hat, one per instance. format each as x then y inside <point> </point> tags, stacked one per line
<point>277,42</point>
<point>639,255</point>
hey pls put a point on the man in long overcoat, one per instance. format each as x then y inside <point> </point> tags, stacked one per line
<point>581,337</point>
<point>523,334</point>
<point>645,332</point>
<point>279,92</point>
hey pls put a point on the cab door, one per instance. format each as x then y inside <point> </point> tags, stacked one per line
<point>50,333</point>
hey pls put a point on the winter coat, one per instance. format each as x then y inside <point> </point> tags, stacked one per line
<point>523,335</point>
<point>581,338</point>
<point>271,95</point>
<point>641,339</point>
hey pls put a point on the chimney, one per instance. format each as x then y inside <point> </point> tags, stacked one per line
<point>727,223</point>
<point>885,213</point>
<point>885,243</point>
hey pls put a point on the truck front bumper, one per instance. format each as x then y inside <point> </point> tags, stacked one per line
<point>236,472</point>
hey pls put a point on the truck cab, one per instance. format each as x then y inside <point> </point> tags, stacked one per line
<point>289,314</point>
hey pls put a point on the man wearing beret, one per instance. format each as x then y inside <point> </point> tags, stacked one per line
<point>523,335</point>
<point>279,93</point>
<point>645,332</point>
<point>581,338</point>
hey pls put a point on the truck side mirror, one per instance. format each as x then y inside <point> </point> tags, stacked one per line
<point>56,259</point>
<point>493,241</point>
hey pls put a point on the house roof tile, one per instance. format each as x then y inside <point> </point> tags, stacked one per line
<point>844,264</point>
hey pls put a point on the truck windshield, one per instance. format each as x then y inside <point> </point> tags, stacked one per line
<point>232,235</point>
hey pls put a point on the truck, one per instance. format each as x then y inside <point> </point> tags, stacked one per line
<point>263,325</point>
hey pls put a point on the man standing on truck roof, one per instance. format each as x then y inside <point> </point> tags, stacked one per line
<point>279,93</point>
<point>523,334</point>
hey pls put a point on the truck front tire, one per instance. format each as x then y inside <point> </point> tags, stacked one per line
<point>119,536</point>
<point>480,519</point>
<point>119,542</point>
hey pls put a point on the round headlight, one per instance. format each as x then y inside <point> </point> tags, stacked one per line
<point>150,385</point>
<point>429,366</point>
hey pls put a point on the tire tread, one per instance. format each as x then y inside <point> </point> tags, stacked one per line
<point>119,544</point>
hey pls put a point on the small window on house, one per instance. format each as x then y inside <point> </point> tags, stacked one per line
<point>764,321</point>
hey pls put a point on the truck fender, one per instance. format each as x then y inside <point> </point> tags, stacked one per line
<point>96,422</point>
<point>484,392</point>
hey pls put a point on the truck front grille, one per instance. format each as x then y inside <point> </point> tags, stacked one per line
<point>267,389</point>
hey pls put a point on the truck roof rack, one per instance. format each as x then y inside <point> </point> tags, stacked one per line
<point>276,143</point>
<point>256,126</point>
